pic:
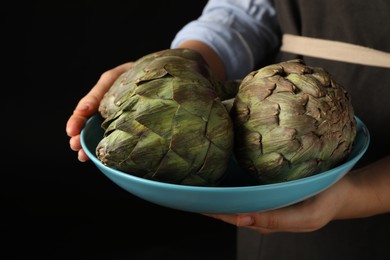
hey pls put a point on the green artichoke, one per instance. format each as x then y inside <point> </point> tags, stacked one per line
<point>291,121</point>
<point>164,121</point>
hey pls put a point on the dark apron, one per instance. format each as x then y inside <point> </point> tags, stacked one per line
<point>366,23</point>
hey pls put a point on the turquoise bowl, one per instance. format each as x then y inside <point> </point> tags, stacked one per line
<point>226,199</point>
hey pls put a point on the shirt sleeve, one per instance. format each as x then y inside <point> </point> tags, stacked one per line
<point>241,32</point>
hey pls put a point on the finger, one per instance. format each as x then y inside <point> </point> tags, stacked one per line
<point>82,156</point>
<point>228,218</point>
<point>106,80</point>
<point>300,217</point>
<point>89,104</point>
<point>75,124</point>
<point>74,143</point>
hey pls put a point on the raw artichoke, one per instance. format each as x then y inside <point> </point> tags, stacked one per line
<point>291,121</point>
<point>164,121</point>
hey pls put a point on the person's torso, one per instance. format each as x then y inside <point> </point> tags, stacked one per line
<point>366,23</point>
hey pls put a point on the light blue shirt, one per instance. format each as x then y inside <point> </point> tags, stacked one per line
<point>241,32</point>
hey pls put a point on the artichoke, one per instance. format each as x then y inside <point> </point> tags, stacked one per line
<point>291,121</point>
<point>164,121</point>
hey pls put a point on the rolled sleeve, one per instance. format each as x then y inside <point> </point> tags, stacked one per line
<point>241,32</point>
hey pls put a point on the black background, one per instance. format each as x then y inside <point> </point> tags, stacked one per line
<point>53,206</point>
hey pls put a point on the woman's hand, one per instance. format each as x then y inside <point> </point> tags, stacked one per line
<point>361,193</point>
<point>89,105</point>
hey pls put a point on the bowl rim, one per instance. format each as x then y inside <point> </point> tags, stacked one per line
<point>334,171</point>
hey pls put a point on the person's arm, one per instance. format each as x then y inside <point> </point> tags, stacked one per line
<point>211,57</point>
<point>371,187</point>
<point>361,193</point>
<point>242,34</point>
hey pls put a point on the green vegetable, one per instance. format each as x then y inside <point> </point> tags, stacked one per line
<point>164,121</point>
<point>291,121</point>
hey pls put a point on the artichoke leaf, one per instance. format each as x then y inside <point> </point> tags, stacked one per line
<point>317,108</point>
<point>173,168</point>
<point>301,123</point>
<point>149,150</point>
<point>290,103</point>
<point>111,150</point>
<point>322,76</point>
<point>302,169</point>
<point>152,74</point>
<point>194,98</point>
<point>256,92</point>
<point>266,72</point>
<point>212,170</point>
<point>269,166</point>
<point>220,127</point>
<point>156,115</point>
<point>283,85</point>
<point>311,146</point>
<point>156,89</point>
<point>280,140</point>
<point>188,138</point>
<point>294,66</point>
<point>307,84</point>
<point>126,124</point>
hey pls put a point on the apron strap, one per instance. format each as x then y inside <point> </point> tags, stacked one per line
<point>334,50</point>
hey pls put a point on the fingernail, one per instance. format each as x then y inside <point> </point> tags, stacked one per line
<point>245,221</point>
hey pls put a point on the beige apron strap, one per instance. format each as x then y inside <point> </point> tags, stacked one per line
<point>334,50</point>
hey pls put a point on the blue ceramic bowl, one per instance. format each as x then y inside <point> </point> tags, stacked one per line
<point>222,199</point>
